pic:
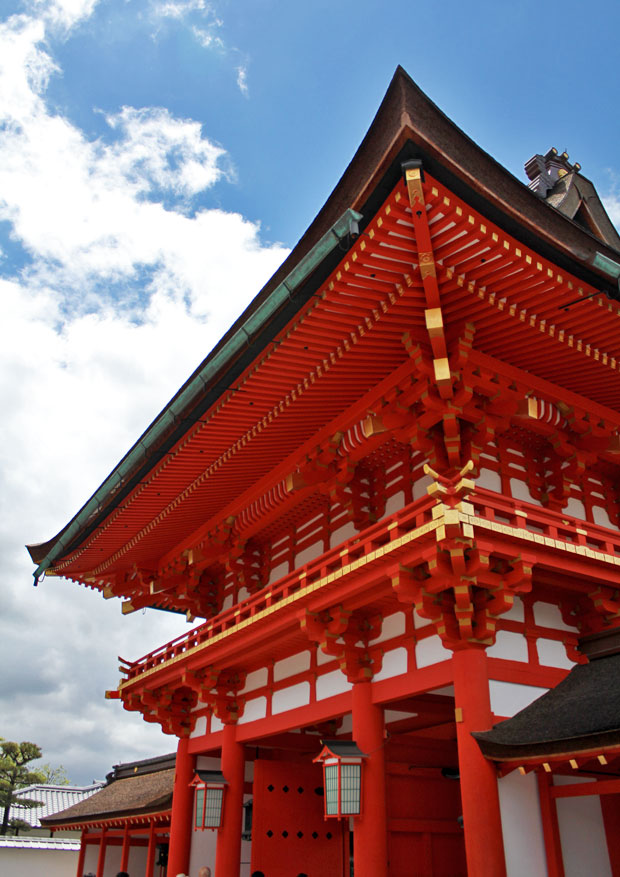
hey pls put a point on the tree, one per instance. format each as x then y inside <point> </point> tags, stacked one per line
<point>14,775</point>
<point>55,776</point>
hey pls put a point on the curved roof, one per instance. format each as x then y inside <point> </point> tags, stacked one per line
<point>407,125</point>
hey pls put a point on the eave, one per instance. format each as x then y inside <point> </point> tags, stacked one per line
<point>407,125</point>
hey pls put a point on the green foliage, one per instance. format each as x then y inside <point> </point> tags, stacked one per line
<point>14,775</point>
<point>55,776</point>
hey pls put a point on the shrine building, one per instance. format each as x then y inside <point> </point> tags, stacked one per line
<point>389,501</point>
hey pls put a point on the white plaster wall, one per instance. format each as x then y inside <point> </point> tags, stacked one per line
<point>490,479</point>
<point>90,859</point>
<point>507,698</point>
<point>394,663</point>
<point>419,621</point>
<point>200,727</point>
<point>520,490</point>
<point>290,698</point>
<point>552,653</point>
<point>516,611</point>
<point>322,658</point>
<point>278,572</point>
<point>310,553</point>
<point>112,861</point>
<point>395,503</point>
<point>419,488</point>
<point>601,517</point>
<point>430,651</point>
<point>509,646</point>
<point>330,684</point>
<point>39,863</point>
<point>549,615</point>
<point>137,861</point>
<point>397,715</point>
<point>207,762</point>
<point>254,709</point>
<point>445,691</point>
<point>582,833</point>
<point>202,851</point>
<point>524,844</point>
<point>347,531</point>
<point>291,665</point>
<point>346,725</point>
<point>575,508</point>
<point>216,724</point>
<point>393,625</point>
<point>254,680</point>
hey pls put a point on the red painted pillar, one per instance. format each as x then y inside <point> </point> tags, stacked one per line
<point>182,811</point>
<point>101,857</point>
<point>551,827</point>
<point>82,855</point>
<point>125,850</point>
<point>150,855</point>
<point>228,852</point>
<point>370,829</point>
<point>484,844</point>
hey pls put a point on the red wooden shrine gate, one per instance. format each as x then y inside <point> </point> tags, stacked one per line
<point>290,834</point>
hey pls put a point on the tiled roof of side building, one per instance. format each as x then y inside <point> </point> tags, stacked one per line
<point>53,799</point>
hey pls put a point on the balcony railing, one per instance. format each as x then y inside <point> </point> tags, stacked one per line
<point>492,507</point>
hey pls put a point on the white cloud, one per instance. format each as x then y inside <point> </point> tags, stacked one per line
<point>612,206</point>
<point>242,80</point>
<point>207,38</point>
<point>180,8</point>
<point>128,287</point>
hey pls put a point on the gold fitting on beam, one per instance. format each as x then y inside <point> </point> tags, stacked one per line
<point>442,370</point>
<point>434,322</point>
<point>427,266</point>
<point>127,607</point>
<point>373,425</point>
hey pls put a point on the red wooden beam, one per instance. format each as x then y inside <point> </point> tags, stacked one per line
<point>577,790</point>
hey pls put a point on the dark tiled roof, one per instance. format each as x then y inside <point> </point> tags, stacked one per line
<point>142,793</point>
<point>581,713</point>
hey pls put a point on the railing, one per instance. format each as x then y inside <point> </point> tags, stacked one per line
<point>554,525</point>
<point>487,505</point>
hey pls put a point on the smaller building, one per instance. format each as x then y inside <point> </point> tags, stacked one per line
<point>125,826</point>
<point>53,799</point>
<point>39,850</point>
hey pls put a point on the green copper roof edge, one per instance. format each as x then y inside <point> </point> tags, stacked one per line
<point>241,338</point>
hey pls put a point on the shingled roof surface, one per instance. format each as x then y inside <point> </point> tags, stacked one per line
<point>581,713</point>
<point>143,793</point>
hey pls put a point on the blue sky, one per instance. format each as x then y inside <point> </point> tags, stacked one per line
<point>158,158</point>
